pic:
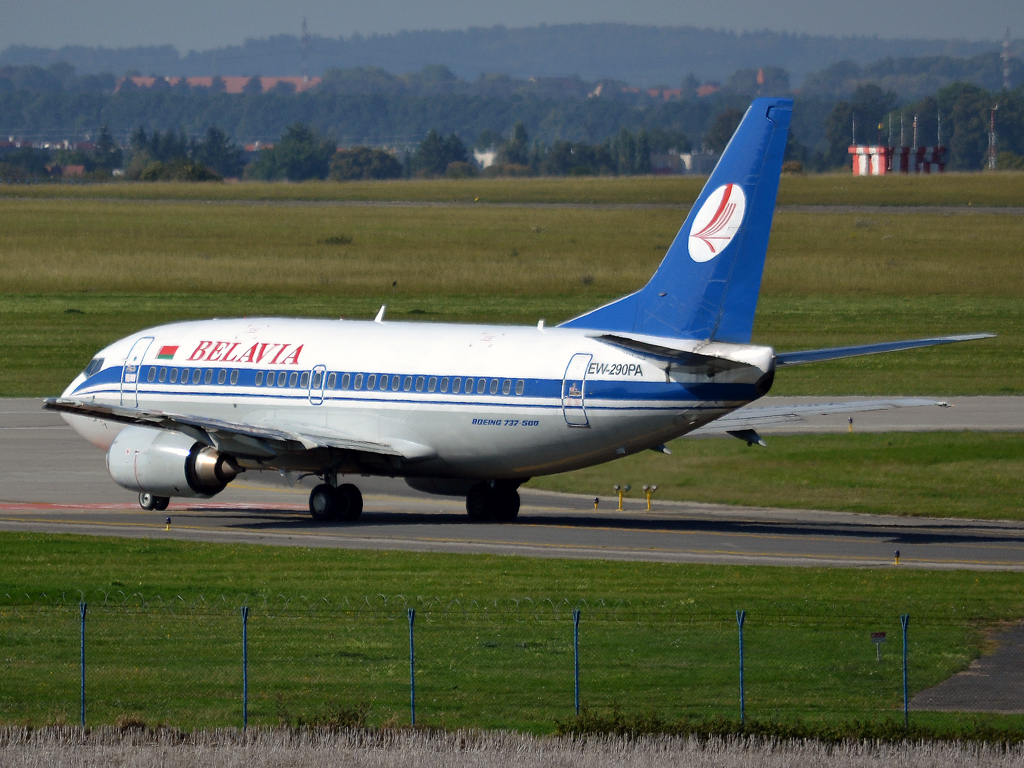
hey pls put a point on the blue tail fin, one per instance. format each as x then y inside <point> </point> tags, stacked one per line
<point>707,285</point>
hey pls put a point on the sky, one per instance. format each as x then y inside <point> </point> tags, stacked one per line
<point>203,24</point>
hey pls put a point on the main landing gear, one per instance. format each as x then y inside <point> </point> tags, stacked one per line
<point>153,503</point>
<point>343,503</point>
<point>494,501</point>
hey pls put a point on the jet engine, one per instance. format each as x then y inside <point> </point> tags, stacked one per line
<point>167,463</point>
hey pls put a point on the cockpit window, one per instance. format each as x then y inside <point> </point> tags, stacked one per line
<point>93,367</point>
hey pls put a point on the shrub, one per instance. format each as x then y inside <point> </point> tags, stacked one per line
<point>460,170</point>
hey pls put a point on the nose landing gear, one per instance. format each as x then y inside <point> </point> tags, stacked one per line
<point>493,502</point>
<point>335,504</point>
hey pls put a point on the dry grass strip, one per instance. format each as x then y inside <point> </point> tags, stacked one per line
<point>69,748</point>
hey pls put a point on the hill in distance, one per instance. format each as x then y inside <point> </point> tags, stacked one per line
<point>640,55</point>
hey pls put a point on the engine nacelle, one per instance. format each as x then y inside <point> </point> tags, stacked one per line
<point>168,464</point>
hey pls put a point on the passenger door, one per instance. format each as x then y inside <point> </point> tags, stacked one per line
<point>132,370</point>
<point>573,391</point>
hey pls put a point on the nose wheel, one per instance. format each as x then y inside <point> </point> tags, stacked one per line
<point>343,504</point>
<point>153,503</point>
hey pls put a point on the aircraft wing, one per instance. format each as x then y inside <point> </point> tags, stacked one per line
<point>836,353</point>
<point>758,417</point>
<point>240,439</point>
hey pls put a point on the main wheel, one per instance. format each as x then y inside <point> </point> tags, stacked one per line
<point>497,503</point>
<point>506,507</point>
<point>153,503</point>
<point>322,503</point>
<point>355,502</point>
<point>478,503</point>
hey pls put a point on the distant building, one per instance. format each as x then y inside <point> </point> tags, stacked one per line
<point>232,84</point>
<point>668,163</point>
<point>485,158</point>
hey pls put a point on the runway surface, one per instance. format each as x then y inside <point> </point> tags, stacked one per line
<point>53,481</point>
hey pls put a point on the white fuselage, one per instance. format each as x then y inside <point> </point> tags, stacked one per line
<point>460,401</point>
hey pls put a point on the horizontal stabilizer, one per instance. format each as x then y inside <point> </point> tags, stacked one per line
<point>837,353</point>
<point>759,417</point>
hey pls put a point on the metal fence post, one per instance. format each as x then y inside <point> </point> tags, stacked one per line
<point>576,654</point>
<point>741,616</point>
<point>82,607</point>
<point>412,668</point>
<point>904,621</point>
<point>245,667</point>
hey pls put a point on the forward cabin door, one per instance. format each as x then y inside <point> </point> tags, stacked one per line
<point>131,371</point>
<point>573,394</point>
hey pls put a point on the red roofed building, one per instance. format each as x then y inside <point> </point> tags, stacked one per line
<point>232,83</point>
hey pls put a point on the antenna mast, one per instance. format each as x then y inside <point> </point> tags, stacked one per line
<point>304,44</point>
<point>1005,56</point>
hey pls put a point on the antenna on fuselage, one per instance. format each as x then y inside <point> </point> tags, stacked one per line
<point>380,314</point>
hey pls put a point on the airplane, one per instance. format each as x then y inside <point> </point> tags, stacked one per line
<point>474,410</point>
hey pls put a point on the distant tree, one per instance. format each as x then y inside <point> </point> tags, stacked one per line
<point>254,85</point>
<point>578,159</point>
<point>643,151</point>
<point>968,109</point>
<point>220,154</point>
<point>301,154</point>
<point>364,163</point>
<point>107,155</point>
<point>663,140</point>
<point>264,167</point>
<point>283,88</point>
<point>362,80</point>
<point>722,129</point>
<point>217,86</point>
<point>516,151</point>
<point>487,139</point>
<point>689,86</point>
<point>434,154</point>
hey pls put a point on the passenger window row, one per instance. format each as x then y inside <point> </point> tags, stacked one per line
<point>443,384</point>
<point>346,381</point>
<point>162,375</point>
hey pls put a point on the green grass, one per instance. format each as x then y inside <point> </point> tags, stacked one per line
<point>960,189</point>
<point>931,474</point>
<point>493,634</point>
<point>830,279</point>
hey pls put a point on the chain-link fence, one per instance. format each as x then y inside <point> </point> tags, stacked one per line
<point>514,663</point>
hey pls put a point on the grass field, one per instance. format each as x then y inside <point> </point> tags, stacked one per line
<point>1005,188</point>
<point>329,631</point>
<point>975,475</point>
<point>75,275</point>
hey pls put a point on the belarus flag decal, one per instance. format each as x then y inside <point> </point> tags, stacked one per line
<point>166,353</point>
<point>717,222</point>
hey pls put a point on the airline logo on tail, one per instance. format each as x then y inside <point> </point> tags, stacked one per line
<point>716,223</point>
